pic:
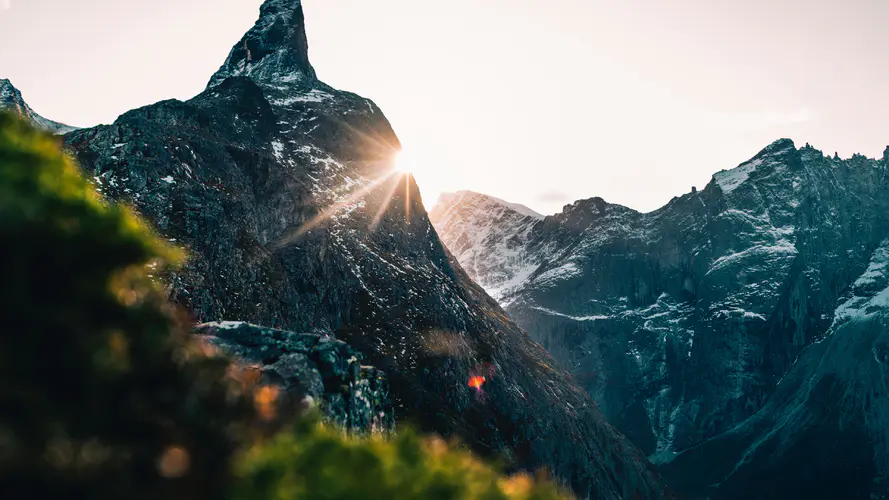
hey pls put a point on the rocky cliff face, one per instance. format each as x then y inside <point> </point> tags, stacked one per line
<point>312,370</point>
<point>681,322</point>
<point>282,189</point>
<point>11,100</point>
<point>822,433</point>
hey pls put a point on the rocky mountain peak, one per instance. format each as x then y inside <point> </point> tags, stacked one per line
<point>582,213</point>
<point>11,99</point>
<point>448,201</point>
<point>778,145</point>
<point>466,219</point>
<point>779,154</point>
<point>275,50</point>
<point>777,149</point>
<point>886,156</point>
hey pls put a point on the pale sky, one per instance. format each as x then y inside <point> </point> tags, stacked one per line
<point>539,102</point>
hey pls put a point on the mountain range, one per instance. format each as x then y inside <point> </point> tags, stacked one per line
<point>735,338</point>
<point>737,335</point>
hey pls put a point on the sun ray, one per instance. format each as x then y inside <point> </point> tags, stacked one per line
<point>407,197</point>
<point>327,213</point>
<point>386,149</point>
<point>384,205</point>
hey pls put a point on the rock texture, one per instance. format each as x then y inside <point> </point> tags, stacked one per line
<point>11,99</point>
<point>311,368</point>
<point>823,432</point>
<point>282,189</point>
<point>682,322</point>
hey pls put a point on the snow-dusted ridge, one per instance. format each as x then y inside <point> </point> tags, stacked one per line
<point>487,235</point>
<point>684,322</point>
<point>11,99</point>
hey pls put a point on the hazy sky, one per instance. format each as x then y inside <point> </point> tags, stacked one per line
<point>539,102</point>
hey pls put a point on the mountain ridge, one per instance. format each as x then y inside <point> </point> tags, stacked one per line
<point>686,323</point>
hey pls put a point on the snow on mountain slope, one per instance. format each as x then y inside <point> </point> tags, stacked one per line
<point>681,322</point>
<point>488,237</point>
<point>11,99</point>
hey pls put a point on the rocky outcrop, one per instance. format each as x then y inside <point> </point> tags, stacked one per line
<point>282,190</point>
<point>11,100</point>
<point>681,322</point>
<point>311,369</point>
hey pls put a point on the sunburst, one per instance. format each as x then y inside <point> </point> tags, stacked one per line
<point>393,175</point>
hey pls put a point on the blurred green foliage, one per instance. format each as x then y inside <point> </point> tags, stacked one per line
<point>318,462</point>
<point>103,395</point>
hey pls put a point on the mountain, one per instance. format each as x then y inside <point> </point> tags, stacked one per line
<point>488,237</point>
<point>11,99</point>
<point>282,190</point>
<point>736,335</point>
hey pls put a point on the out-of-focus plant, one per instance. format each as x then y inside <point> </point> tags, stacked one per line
<point>101,393</point>
<point>319,462</point>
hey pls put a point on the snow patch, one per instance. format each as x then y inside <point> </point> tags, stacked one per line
<point>729,180</point>
<point>869,294</point>
<point>278,150</point>
<point>313,95</point>
<point>597,317</point>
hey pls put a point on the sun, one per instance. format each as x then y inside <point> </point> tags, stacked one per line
<point>403,162</point>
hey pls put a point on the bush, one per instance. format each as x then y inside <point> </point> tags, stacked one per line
<point>103,395</point>
<point>318,462</point>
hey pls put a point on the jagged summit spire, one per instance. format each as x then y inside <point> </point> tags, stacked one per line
<point>274,50</point>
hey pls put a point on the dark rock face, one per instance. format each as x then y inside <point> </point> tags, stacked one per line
<point>283,192</point>
<point>327,370</point>
<point>681,322</point>
<point>822,433</point>
<point>11,99</point>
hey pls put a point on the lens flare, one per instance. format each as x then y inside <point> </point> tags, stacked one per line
<point>476,382</point>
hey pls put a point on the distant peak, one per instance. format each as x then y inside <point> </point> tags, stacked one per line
<point>275,50</point>
<point>782,150</point>
<point>886,155</point>
<point>779,145</point>
<point>595,204</point>
<point>779,149</point>
<point>450,199</point>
